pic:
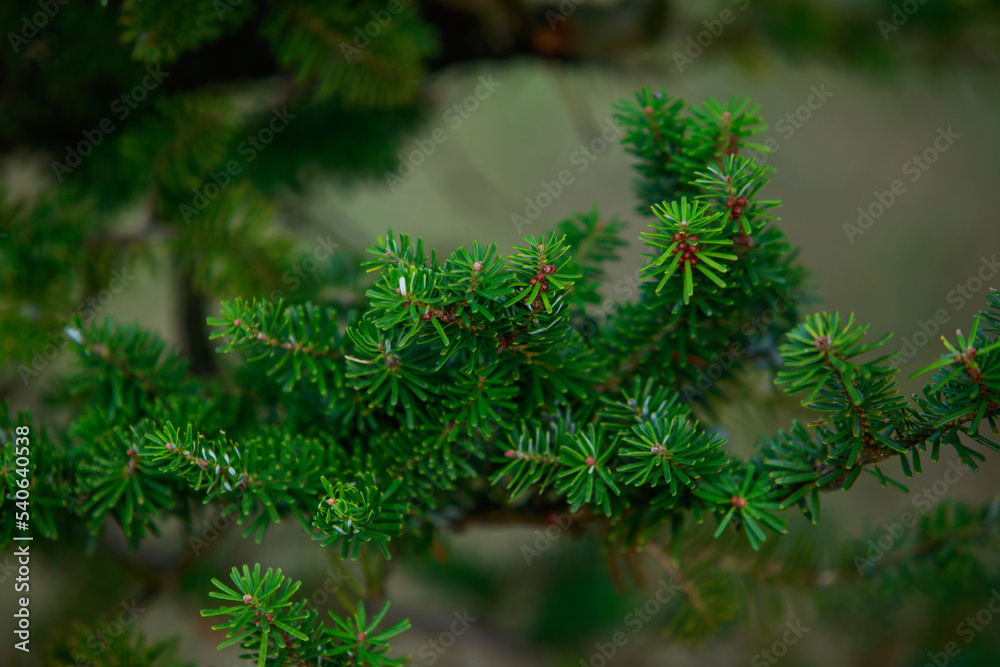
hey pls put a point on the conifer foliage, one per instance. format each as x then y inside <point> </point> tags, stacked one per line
<point>480,384</point>
<point>187,111</point>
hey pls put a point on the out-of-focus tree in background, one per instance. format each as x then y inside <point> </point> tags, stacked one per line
<point>158,157</point>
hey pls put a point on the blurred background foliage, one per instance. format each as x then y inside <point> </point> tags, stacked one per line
<point>164,97</point>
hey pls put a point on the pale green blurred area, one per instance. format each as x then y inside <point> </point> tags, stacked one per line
<point>899,272</point>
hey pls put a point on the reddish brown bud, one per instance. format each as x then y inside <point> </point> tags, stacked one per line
<point>693,239</point>
<point>477,266</point>
<point>590,461</point>
<point>533,282</point>
<point>544,287</point>
<point>549,268</point>
<point>738,502</point>
<point>426,316</point>
<point>511,454</point>
<point>247,598</point>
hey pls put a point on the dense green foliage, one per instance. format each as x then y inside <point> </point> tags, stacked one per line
<point>480,384</point>
<point>187,112</point>
<point>382,402</point>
